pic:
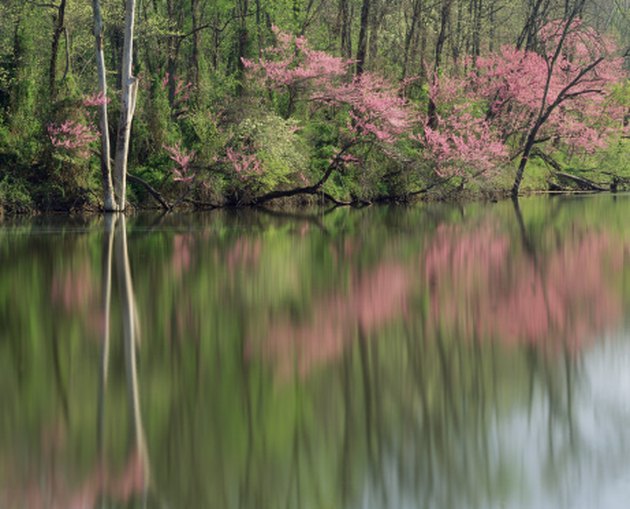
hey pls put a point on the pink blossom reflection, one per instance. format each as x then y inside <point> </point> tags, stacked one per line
<point>47,486</point>
<point>479,288</point>
<point>372,301</point>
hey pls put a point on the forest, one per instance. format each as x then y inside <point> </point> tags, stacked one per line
<point>112,104</point>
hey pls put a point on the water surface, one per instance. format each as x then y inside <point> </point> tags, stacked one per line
<point>426,357</point>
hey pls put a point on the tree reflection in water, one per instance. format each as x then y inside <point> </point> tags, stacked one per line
<point>429,358</point>
<point>46,485</point>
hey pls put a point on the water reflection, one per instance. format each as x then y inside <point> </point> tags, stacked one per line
<point>430,357</point>
<point>44,484</point>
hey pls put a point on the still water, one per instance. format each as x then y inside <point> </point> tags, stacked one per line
<point>426,357</point>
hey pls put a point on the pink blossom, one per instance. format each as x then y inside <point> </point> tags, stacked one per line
<point>513,81</point>
<point>95,100</point>
<point>376,110</point>
<point>182,89</point>
<point>245,165</point>
<point>479,115</point>
<point>166,79</point>
<point>183,159</point>
<point>72,136</point>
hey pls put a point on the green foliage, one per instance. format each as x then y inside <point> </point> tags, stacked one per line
<point>224,109</point>
<point>14,195</point>
<point>282,152</point>
<point>621,94</point>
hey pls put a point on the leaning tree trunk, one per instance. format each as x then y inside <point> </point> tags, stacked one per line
<point>127,107</point>
<point>109,202</point>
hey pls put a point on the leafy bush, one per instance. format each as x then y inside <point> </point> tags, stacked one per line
<point>14,196</point>
<point>266,152</point>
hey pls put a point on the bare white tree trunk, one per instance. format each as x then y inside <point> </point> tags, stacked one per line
<point>127,107</point>
<point>109,202</point>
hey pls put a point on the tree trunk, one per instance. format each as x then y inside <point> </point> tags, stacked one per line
<point>345,32</point>
<point>363,34</point>
<point>196,42</point>
<point>109,202</point>
<point>538,10</point>
<point>445,15</point>
<point>529,145</point>
<point>174,45</point>
<point>377,13</point>
<point>410,36</point>
<point>127,107</point>
<point>54,53</point>
<point>545,109</point>
<point>439,47</point>
<point>242,41</point>
<point>476,39</point>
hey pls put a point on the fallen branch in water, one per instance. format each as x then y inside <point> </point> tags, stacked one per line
<point>150,189</point>
<point>583,183</point>
<point>202,204</point>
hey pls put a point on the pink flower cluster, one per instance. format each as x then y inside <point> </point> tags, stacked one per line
<point>513,83</point>
<point>462,140</point>
<point>183,159</point>
<point>463,145</point>
<point>293,63</point>
<point>375,108</point>
<point>71,135</point>
<point>245,165</point>
<point>481,114</point>
<point>182,89</point>
<point>95,100</point>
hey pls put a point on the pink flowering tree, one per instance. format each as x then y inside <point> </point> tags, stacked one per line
<point>245,165</point>
<point>459,140</point>
<point>515,100</point>
<point>559,94</point>
<point>76,137</point>
<point>73,138</point>
<point>183,159</point>
<point>179,94</point>
<point>370,107</point>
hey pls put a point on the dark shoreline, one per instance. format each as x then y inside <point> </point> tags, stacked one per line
<point>302,205</point>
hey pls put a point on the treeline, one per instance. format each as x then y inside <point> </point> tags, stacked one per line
<point>245,101</point>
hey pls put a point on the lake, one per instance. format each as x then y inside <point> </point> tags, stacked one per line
<point>434,356</point>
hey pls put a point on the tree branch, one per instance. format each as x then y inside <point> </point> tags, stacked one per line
<point>151,190</point>
<point>309,190</point>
